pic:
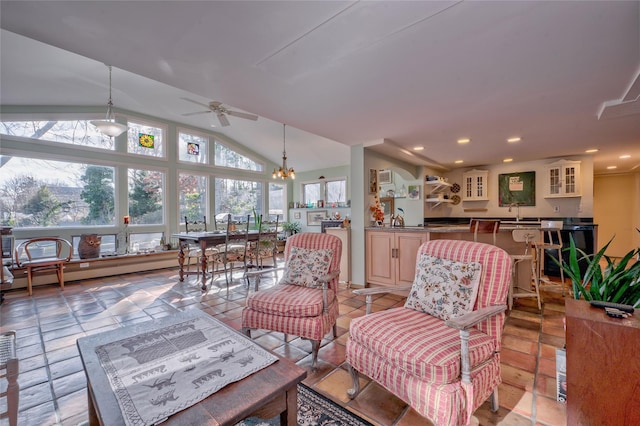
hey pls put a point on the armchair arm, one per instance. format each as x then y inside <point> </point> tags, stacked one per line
<point>470,319</point>
<point>258,273</point>
<point>324,280</point>
<point>368,292</point>
<point>464,323</point>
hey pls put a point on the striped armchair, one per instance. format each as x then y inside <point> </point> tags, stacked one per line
<point>443,368</point>
<point>294,306</point>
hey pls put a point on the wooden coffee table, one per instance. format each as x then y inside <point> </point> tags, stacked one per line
<point>265,393</point>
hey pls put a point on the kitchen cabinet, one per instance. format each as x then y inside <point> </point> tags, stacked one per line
<point>345,261</point>
<point>563,179</point>
<point>474,185</point>
<point>391,256</point>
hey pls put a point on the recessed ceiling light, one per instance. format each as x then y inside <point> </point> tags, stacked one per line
<point>463,141</point>
<point>612,167</point>
<point>625,156</point>
<point>516,139</point>
<point>459,161</point>
<point>418,148</point>
<point>507,160</point>
<point>591,151</point>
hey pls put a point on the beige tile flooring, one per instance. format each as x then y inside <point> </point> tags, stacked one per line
<point>53,385</point>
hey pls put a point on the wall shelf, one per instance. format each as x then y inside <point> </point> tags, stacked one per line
<point>434,190</point>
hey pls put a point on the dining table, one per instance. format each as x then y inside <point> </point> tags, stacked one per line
<point>205,240</point>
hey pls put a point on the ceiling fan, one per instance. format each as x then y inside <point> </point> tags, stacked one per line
<point>220,111</point>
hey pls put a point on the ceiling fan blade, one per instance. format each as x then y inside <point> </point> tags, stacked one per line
<point>195,102</point>
<point>223,120</point>
<point>243,115</point>
<point>195,113</point>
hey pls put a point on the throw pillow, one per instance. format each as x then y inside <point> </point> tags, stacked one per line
<point>444,288</point>
<point>305,266</point>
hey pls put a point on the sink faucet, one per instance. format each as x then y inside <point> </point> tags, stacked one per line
<point>517,206</point>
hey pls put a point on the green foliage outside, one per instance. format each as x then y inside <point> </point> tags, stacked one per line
<point>98,194</point>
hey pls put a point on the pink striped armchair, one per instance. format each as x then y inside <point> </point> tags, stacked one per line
<point>307,310</point>
<point>443,368</point>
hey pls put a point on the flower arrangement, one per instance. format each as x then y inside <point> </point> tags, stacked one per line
<point>376,209</point>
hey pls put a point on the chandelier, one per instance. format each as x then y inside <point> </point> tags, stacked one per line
<point>108,126</point>
<point>283,172</point>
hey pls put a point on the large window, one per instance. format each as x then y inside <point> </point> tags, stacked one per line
<point>226,157</point>
<point>277,199</point>
<point>47,193</point>
<point>192,148</point>
<point>336,191</point>
<point>332,191</point>
<point>73,132</point>
<point>192,192</point>
<point>145,139</point>
<point>311,194</point>
<point>238,197</point>
<point>145,196</point>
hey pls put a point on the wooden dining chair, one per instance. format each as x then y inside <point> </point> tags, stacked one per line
<point>234,250</point>
<point>484,226</point>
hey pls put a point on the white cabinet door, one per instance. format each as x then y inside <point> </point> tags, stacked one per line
<point>474,185</point>
<point>563,179</point>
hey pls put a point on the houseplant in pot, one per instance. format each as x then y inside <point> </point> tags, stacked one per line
<point>291,228</point>
<point>617,282</point>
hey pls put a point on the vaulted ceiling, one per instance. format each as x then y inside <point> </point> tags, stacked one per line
<point>563,76</point>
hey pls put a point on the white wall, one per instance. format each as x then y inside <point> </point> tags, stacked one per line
<point>567,207</point>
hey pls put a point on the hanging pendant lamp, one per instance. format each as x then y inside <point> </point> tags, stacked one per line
<point>284,172</point>
<point>109,126</point>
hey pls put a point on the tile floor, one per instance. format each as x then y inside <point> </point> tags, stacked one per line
<point>53,385</point>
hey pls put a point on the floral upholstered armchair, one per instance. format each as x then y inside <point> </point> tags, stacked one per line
<point>440,353</point>
<point>304,303</point>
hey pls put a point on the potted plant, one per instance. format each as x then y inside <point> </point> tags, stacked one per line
<point>291,228</point>
<point>617,282</point>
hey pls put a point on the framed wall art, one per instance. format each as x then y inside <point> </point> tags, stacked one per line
<point>517,188</point>
<point>373,181</point>
<point>413,192</point>
<point>384,177</point>
<point>316,217</point>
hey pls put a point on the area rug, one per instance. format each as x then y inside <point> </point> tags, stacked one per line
<point>314,410</point>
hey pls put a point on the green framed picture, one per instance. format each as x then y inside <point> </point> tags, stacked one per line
<point>517,188</point>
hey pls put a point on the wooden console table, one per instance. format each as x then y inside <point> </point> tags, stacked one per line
<point>603,367</point>
<point>265,393</point>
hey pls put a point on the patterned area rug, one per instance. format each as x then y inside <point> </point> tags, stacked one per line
<point>314,410</point>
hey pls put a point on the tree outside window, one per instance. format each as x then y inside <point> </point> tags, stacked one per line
<point>145,196</point>
<point>238,197</point>
<point>192,196</point>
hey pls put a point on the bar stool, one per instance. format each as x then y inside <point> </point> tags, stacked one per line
<point>9,361</point>
<point>551,240</point>
<point>525,236</point>
<point>484,226</point>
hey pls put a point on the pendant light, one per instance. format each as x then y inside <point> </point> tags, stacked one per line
<point>284,172</point>
<point>108,126</point>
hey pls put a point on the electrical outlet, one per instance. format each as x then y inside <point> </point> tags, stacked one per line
<point>556,209</point>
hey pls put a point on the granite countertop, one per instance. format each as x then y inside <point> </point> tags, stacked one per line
<point>450,228</point>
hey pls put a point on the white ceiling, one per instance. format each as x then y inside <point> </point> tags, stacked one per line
<point>410,73</point>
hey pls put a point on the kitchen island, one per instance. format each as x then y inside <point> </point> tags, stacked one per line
<point>391,252</point>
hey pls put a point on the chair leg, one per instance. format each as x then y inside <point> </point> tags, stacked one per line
<point>60,271</point>
<point>315,346</point>
<point>495,404</point>
<point>29,281</point>
<point>246,331</point>
<point>355,388</point>
<point>335,331</point>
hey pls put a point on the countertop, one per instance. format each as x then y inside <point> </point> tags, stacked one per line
<point>448,228</point>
